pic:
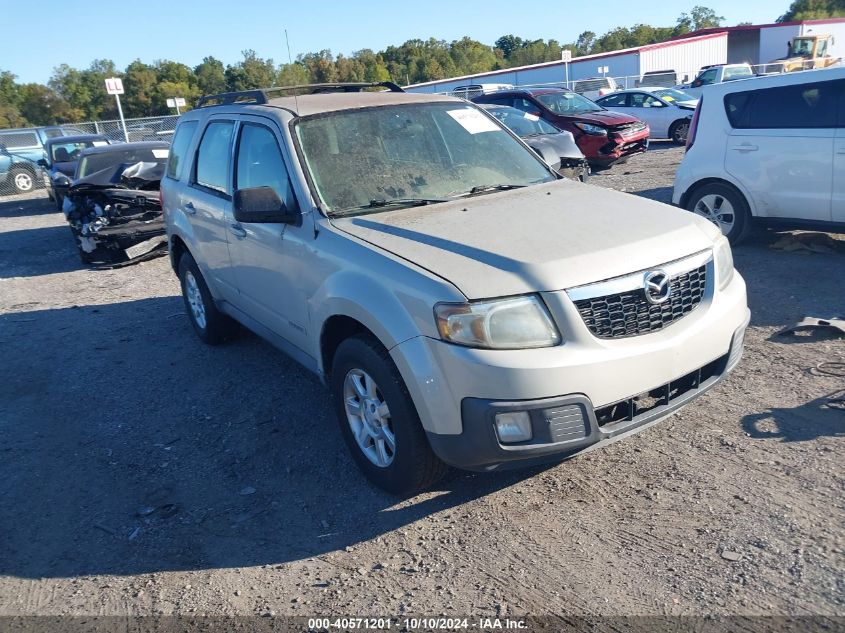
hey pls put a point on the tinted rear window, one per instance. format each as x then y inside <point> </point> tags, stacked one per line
<point>801,106</point>
<point>179,147</point>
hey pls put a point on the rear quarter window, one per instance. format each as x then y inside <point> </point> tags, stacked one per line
<point>802,106</point>
<point>179,148</point>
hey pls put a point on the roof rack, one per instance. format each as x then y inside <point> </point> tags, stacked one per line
<point>263,95</point>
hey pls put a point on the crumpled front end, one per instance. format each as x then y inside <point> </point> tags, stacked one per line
<point>117,223</point>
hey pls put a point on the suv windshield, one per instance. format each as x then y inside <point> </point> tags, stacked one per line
<point>523,123</point>
<point>567,103</point>
<point>366,159</point>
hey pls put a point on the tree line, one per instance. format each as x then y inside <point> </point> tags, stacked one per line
<point>73,95</point>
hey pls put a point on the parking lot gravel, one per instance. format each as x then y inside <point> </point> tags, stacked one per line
<point>144,473</point>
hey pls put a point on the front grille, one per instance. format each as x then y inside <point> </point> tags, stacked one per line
<point>631,314</point>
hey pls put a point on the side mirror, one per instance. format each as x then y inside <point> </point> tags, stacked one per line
<point>262,204</point>
<point>43,163</point>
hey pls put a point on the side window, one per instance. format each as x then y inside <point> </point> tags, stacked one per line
<point>797,107</point>
<point>525,105</point>
<point>52,132</point>
<point>643,100</point>
<point>260,163</point>
<point>708,77</point>
<point>213,156</point>
<point>181,141</point>
<point>614,101</point>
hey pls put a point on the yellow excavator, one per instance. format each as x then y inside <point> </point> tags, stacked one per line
<point>806,52</point>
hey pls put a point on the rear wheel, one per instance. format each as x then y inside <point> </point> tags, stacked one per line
<point>679,130</point>
<point>378,419</point>
<point>725,207</point>
<point>211,325</point>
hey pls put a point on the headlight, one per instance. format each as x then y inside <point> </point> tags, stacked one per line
<point>724,262</point>
<point>595,130</point>
<point>516,323</point>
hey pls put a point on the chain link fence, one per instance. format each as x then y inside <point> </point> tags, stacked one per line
<point>144,129</point>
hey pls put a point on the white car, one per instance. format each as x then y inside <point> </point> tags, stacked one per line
<point>595,87</point>
<point>717,74</point>
<point>771,148</point>
<point>666,110</point>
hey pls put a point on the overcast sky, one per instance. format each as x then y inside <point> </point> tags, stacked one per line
<point>75,33</point>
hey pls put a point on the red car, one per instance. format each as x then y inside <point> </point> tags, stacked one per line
<point>604,137</point>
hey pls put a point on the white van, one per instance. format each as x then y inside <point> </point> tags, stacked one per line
<point>771,148</point>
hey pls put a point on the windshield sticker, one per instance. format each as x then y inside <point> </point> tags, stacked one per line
<point>668,98</point>
<point>532,117</point>
<point>160,153</point>
<point>472,121</point>
<point>100,143</point>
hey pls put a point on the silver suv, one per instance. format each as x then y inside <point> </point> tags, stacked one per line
<point>463,303</point>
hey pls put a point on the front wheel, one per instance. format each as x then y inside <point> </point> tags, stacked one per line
<point>725,207</point>
<point>378,419</point>
<point>23,181</point>
<point>679,130</point>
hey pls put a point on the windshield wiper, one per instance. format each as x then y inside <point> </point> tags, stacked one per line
<point>479,189</point>
<point>380,203</point>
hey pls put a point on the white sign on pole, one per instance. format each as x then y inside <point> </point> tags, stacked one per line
<point>180,101</point>
<point>114,86</point>
<point>566,55</point>
<point>603,69</point>
<point>171,103</point>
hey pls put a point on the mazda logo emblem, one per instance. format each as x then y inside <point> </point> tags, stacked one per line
<point>657,287</point>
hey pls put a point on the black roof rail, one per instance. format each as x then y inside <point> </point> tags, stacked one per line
<point>260,96</point>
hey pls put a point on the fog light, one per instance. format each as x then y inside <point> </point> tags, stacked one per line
<point>514,426</point>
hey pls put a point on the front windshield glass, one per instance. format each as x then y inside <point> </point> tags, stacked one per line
<point>567,103</point>
<point>803,48</point>
<point>97,162</point>
<point>670,94</point>
<point>523,123</point>
<point>361,159</point>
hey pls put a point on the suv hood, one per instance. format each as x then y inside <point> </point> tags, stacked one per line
<point>541,238</point>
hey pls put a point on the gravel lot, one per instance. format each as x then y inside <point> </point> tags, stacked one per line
<point>143,473</point>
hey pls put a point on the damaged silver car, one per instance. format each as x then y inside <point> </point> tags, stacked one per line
<point>556,147</point>
<point>113,205</point>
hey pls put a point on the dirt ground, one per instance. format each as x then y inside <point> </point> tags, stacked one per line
<point>144,473</point>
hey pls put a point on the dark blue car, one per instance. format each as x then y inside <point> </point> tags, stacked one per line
<point>60,163</point>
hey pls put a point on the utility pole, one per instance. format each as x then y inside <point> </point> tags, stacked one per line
<point>114,86</point>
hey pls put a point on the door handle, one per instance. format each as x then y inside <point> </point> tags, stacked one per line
<point>745,147</point>
<point>190,209</point>
<point>237,230</point>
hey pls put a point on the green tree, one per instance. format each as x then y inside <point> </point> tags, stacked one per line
<point>211,76</point>
<point>40,105</point>
<point>140,84</point>
<point>813,10</point>
<point>320,66</point>
<point>294,74</point>
<point>584,44</point>
<point>508,44</point>
<point>252,72</point>
<point>697,19</point>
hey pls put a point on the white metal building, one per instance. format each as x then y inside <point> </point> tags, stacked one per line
<point>685,56</point>
<point>753,44</point>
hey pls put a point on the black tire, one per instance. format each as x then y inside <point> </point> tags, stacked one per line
<point>23,180</point>
<point>414,467</point>
<point>217,327</point>
<point>678,131</point>
<point>741,216</point>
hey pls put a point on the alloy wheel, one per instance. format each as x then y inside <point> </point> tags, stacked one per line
<point>369,418</point>
<point>718,210</point>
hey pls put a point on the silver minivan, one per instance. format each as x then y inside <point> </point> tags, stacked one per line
<point>464,304</point>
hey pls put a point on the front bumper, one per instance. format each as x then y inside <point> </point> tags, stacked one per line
<point>448,381</point>
<point>565,426</point>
